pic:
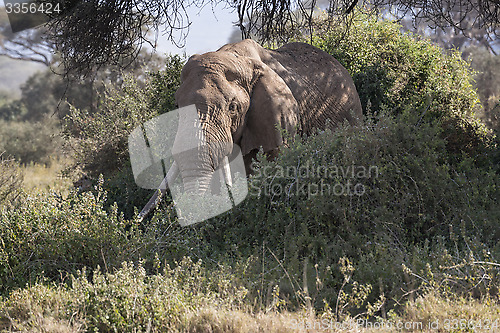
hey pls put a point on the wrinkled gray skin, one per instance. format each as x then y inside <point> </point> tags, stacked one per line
<point>242,91</point>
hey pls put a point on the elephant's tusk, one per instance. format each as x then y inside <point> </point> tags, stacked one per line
<point>172,173</point>
<point>226,170</point>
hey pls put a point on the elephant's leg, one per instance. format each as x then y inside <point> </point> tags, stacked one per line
<point>252,156</point>
<point>272,154</point>
<point>248,159</point>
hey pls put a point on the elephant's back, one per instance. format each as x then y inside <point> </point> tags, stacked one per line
<point>318,79</point>
<point>310,59</point>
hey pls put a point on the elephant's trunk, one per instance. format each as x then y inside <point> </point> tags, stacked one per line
<point>196,172</point>
<point>199,149</point>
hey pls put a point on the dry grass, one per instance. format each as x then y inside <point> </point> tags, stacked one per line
<point>438,311</point>
<point>39,177</point>
<point>418,316</point>
<point>213,320</point>
<point>46,325</point>
<point>38,309</point>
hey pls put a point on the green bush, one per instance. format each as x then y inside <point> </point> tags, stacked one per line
<point>165,83</point>
<point>46,236</point>
<point>414,209</point>
<point>11,109</point>
<point>100,140</point>
<point>125,300</point>
<point>400,72</point>
<point>46,93</point>
<point>487,68</point>
<point>30,142</point>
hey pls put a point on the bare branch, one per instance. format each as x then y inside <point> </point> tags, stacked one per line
<point>28,45</point>
<point>94,33</point>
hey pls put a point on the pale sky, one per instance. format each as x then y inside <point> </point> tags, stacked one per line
<point>210,29</point>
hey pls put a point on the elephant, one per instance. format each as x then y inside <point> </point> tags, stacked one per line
<point>244,94</point>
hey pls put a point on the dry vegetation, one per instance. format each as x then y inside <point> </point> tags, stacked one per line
<point>428,313</point>
<point>47,177</point>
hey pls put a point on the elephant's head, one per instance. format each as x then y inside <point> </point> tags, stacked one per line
<point>239,100</point>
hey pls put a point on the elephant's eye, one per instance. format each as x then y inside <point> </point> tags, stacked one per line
<point>233,107</point>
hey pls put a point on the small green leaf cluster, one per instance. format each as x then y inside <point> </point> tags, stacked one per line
<point>11,178</point>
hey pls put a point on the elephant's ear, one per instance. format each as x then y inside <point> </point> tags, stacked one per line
<point>272,106</point>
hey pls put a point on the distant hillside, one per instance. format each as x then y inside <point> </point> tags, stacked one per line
<point>13,73</point>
